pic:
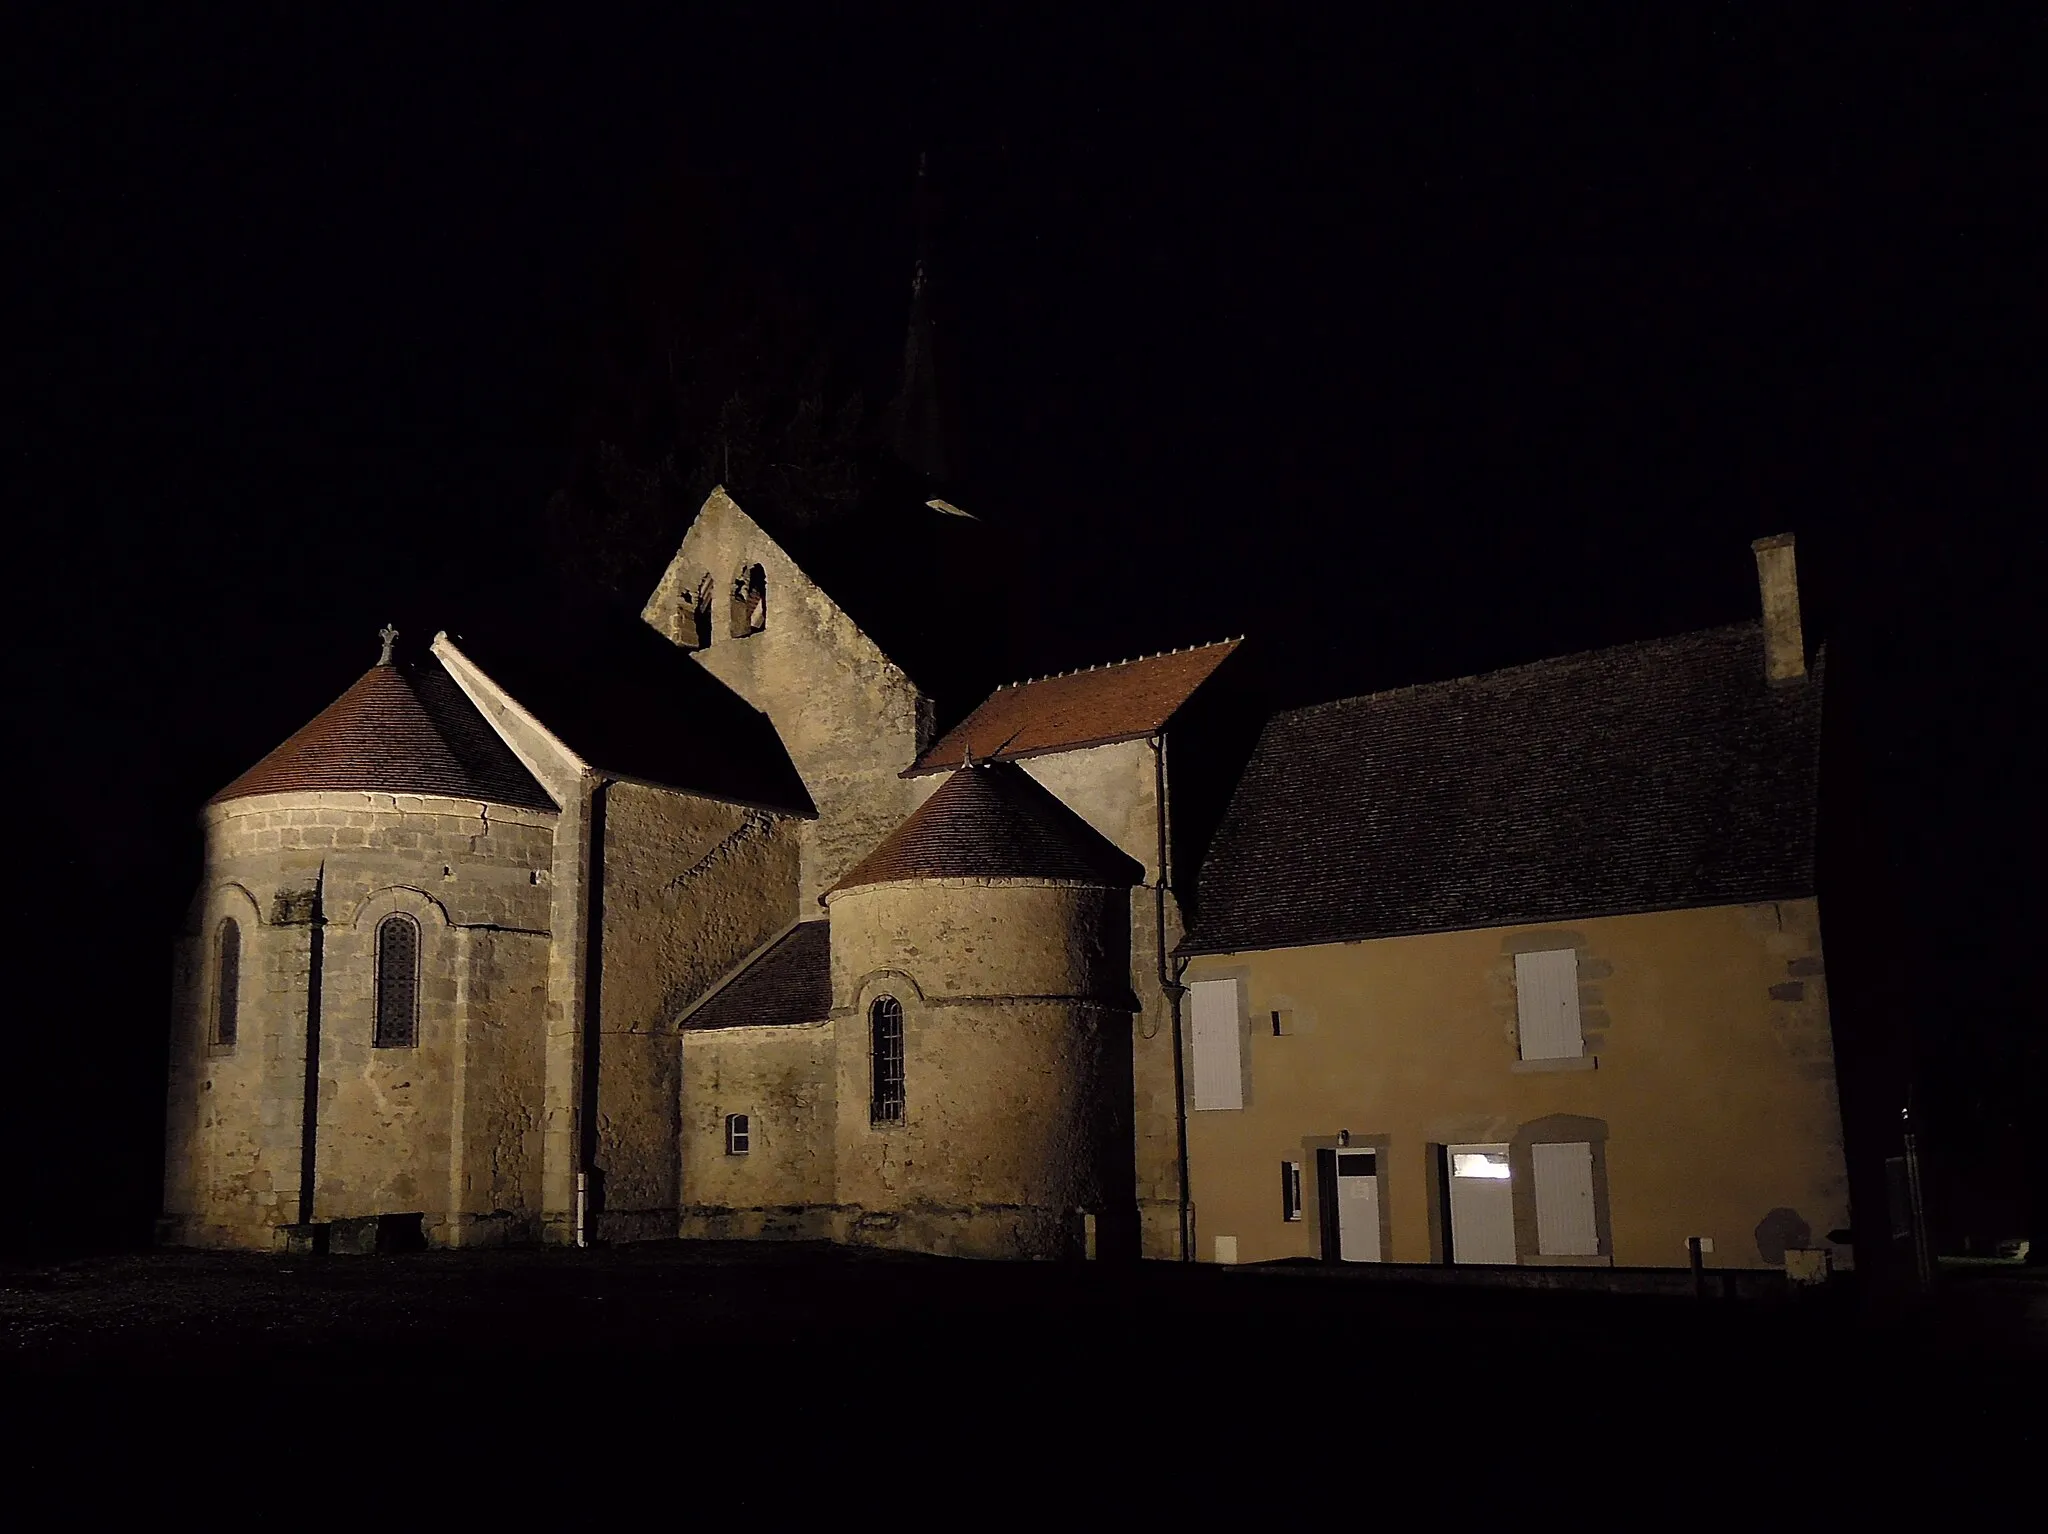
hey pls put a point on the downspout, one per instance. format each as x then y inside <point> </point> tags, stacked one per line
<point>589,1180</point>
<point>309,1106</point>
<point>1170,986</point>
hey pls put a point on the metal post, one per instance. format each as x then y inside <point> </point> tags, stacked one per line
<point>1923,1257</point>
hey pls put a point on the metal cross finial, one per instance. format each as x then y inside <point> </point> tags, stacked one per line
<point>390,637</point>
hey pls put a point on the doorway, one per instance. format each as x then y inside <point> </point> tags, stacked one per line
<point>1482,1204</point>
<point>1350,1186</point>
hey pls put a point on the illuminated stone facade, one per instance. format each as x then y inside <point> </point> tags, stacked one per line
<point>554,1087</point>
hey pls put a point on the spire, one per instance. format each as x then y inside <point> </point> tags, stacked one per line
<point>919,438</point>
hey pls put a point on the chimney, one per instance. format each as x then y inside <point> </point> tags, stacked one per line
<point>1777,572</point>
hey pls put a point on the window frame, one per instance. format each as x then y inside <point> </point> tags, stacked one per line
<point>1290,1192</point>
<point>739,1134</point>
<point>887,1090</point>
<point>379,1038</point>
<point>227,986</point>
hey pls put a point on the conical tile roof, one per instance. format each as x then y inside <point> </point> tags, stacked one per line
<point>993,821</point>
<point>400,729</point>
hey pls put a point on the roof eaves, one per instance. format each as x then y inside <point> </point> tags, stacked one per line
<point>914,770</point>
<point>697,793</point>
<point>1192,946</point>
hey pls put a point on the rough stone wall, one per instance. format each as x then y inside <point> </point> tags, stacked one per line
<point>570,783</point>
<point>849,717</point>
<point>475,877</point>
<point>785,1081</point>
<point>1016,1124</point>
<point>1115,788</point>
<point>231,1163</point>
<point>1708,1089</point>
<point>691,887</point>
<point>497,1091</point>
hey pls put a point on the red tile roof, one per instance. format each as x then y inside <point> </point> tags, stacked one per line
<point>790,982</point>
<point>992,821</point>
<point>1126,701</point>
<point>400,729</point>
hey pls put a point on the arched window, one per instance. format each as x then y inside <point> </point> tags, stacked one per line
<point>885,1061</point>
<point>398,983</point>
<point>749,601</point>
<point>227,982</point>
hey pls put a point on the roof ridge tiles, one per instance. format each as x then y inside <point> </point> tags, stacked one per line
<point>1500,672</point>
<point>1111,665</point>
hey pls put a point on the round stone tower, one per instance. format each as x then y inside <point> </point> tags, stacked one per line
<point>377,888</point>
<point>982,1002</point>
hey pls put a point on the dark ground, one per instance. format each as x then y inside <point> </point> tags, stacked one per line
<point>1153,1381</point>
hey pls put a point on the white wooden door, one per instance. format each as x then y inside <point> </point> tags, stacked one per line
<point>1482,1204</point>
<point>1358,1206</point>
<point>1564,1200</point>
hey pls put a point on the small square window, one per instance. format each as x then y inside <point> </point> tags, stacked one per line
<point>738,1134</point>
<point>1290,1190</point>
<point>1283,1023</point>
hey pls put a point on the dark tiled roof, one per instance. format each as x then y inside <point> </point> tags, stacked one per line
<point>402,728</point>
<point>628,702</point>
<point>1125,701</point>
<point>1649,777</point>
<point>993,822</point>
<point>789,982</point>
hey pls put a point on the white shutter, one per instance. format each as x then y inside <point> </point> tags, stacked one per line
<point>1547,1001</point>
<point>1219,1044</point>
<point>1564,1200</point>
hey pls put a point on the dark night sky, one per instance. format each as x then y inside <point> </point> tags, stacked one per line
<point>1410,353</point>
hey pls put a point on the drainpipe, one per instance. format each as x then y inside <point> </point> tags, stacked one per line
<point>309,1108</point>
<point>589,1180</point>
<point>1170,986</point>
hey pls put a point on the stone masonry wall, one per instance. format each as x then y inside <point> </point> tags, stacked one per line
<point>849,717</point>
<point>399,1130</point>
<point>785,1081</point>
<point>1115,788</point>
<point>1017,1079</point>
<point>691,887</point>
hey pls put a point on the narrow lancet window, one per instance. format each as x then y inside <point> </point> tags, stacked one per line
<point>398,983</point>
<point>227,983</point>
<point>885,1055</point>
<point>749,601</point>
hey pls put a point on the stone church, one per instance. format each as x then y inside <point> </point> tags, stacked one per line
<point>709,931</point>
<point>701,925</point>
<point>475,961</point>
